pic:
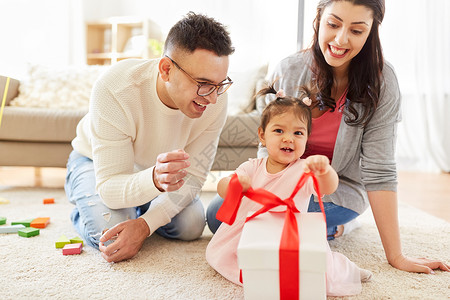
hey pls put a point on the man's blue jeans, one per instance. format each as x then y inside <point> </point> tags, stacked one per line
<point>335,215</point>
<point>91,216</point>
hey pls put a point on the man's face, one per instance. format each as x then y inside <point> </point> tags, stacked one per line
<point>203,66</point>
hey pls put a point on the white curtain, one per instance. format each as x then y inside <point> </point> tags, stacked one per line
<point>416,40</point>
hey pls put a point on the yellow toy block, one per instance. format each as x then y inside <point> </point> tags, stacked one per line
<point>62,241</point>
<point>76,240</point>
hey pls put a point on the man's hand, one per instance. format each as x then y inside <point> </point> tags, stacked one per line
<point>129,237</point>
<point>169,170</point>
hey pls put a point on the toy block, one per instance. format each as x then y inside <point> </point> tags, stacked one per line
<point>4,200</point>
<point>2,220</point>
<point>40,222</point>
<point>25,223</point>
<point>28,232</point>
<point>11,229</point>
<point>62,241</point>
<point>71,249</point>
<point>76,240</point>
<point>48,201</point>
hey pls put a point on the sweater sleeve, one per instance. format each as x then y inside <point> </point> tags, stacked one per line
<point>378,166</point>
<point>202,149</point>
<point>112,134</point>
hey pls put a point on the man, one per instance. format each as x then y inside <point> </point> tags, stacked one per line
<point>143,151</point>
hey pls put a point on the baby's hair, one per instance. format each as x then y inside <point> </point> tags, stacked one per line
<point>284,103</point>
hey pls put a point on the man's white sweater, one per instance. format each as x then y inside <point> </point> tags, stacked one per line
<point>128,126</point>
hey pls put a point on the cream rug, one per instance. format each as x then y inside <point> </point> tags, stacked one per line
<point>31,268</point>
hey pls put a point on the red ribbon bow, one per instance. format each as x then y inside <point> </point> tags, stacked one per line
<point>290,242</point>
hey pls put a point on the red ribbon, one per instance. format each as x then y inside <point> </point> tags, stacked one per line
<point>289,272</point>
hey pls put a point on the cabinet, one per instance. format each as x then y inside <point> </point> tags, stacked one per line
<point>111,40</point>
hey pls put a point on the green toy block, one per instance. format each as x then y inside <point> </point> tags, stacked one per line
<point>25,223</point>
<point>62,241</point>
<point>76,240</point>
<point>2,220</point>
<point>28,232</point>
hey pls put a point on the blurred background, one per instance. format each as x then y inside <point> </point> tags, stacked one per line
<point>415,36</point>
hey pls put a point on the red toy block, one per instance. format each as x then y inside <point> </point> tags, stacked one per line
<point>48,201</point>
<point>71,249</point>
<point>40,222</point>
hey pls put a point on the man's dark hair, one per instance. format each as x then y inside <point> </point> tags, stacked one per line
<point>196,31</point>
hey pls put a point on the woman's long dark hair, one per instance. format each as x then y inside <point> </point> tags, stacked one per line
<point>364,75</point>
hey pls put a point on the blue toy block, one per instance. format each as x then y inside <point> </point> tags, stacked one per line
<point>11,229</point>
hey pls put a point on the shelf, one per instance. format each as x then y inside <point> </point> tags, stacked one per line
<point>117,38</point>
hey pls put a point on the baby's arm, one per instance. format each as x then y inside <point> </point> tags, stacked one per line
<point>325,174</point>
<point>222,186</point>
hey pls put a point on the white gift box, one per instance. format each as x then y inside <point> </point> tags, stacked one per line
<point>258,256</point>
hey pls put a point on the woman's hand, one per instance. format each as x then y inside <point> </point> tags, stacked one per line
<point>418,265</point>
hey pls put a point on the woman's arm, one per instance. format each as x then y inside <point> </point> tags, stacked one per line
<point>385,211</point>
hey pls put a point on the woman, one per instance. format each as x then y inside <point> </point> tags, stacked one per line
<point>355,116</point>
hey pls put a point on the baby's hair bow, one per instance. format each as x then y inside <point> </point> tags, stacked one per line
<point>307,101</point>
<point>280,94</point>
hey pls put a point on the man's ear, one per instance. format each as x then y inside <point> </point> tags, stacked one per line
<point>261,136</point>
<point>164,68</point>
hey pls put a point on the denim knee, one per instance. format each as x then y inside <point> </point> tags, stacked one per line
<point>188,225</point>
<point>91,217</point>
<point>191,222</point>
<point>90,240</point>
<point>211,211</point>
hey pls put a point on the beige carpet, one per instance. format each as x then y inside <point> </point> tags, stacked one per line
<point>31,268</point>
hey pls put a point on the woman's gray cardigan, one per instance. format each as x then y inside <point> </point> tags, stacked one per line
<point>364,157</point>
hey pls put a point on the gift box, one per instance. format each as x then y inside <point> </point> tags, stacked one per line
<point>258,255</point>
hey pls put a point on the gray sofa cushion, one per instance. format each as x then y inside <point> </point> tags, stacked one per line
<point>39,124</point>
<point>240,131</point>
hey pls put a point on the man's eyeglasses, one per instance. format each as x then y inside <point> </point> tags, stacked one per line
<point>204,88</point>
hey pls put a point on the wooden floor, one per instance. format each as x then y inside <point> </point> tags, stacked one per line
<point>429,192</point>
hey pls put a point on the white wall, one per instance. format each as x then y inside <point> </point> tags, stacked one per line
<point>35,32</point>
<point>261,30</point>
<point>51,32</point>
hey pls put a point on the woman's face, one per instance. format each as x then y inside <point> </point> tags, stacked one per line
<point>343,31</point>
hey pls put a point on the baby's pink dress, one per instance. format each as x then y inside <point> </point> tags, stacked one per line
<point>343,277</point>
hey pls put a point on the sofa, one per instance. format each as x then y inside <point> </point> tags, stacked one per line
<point>35,132</point>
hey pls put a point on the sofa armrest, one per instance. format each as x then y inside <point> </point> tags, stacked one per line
<point>13,88</point>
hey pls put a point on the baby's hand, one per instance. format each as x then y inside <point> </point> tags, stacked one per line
<point>245,182</point>
<point>318,164</point>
